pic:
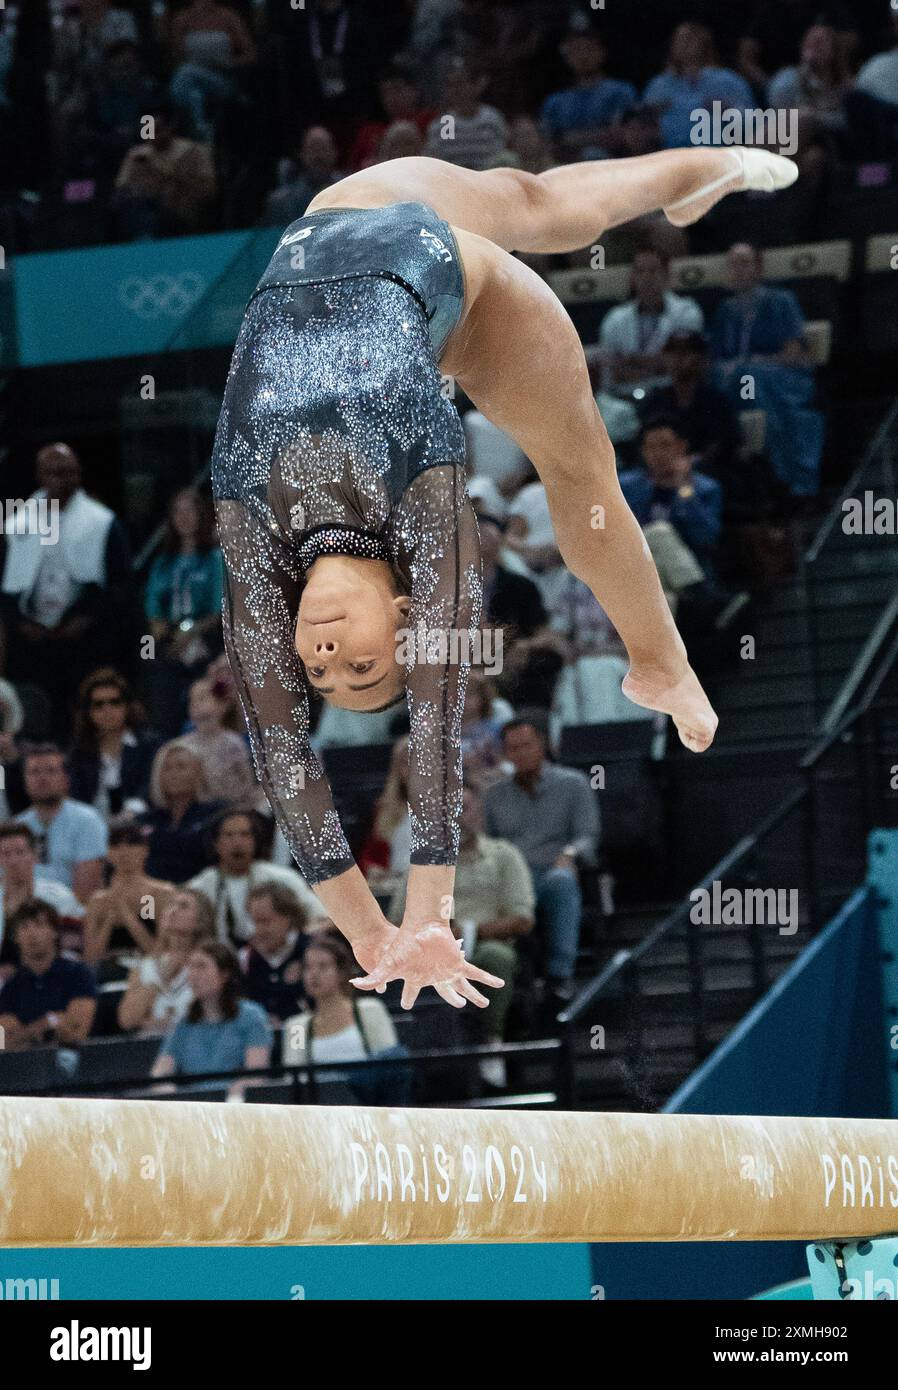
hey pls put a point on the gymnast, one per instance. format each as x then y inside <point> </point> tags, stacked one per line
<point>350,544</point>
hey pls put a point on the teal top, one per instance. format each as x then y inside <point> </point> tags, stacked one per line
<point>185,586</point>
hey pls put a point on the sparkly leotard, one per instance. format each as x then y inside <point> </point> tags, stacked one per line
<point>336,436</point>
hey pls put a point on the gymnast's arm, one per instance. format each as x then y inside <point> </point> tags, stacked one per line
<point>437,533</point>
<point>261,600</point>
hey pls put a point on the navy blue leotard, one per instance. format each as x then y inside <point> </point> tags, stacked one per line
<point>336,435</point>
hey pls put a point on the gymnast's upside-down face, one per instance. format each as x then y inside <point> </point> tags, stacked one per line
<point>346,629</point>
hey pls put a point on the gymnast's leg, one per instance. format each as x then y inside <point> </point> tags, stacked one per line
<point>566,208</point>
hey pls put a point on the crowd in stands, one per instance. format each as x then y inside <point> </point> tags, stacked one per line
<point>145,888</point>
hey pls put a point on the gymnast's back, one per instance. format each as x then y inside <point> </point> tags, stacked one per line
<point>336,435</point>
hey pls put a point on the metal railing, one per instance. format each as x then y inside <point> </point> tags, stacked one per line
<point>819,831</point>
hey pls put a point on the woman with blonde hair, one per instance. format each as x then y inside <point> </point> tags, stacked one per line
<point>158,992</point>
<point>182,813</point>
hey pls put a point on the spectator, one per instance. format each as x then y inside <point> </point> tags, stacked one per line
<point>343,1026</point>
<point>816,86</point>
<point>581,121</point>
<point>633,335</point>
<point>72,837</point>
<point>109,765</point>
<point>493,905</point>
<point>389,846</point>
<point>529,145</point>
<point>691,84</point>
<point>703,412</point>
<point>166,182</point>
<point>181,814</point>
<point>314,168</point>
<point>334,50</point>
<point>88,31</point>
<point>209,43</point>
<point>66,596</point>
<point>550,814</point>
<point>120,95</point>
<point>23,880</point>
<point>220,1032</point>
<point>400,103</point>
<point>239,870</point>
<point>529,532</point>
<point>493,454</point>
<point>403,140</point>
<point>481,729</point>
<point>758,342</point>
<point>468,132</point>
<point>669,490</point>
<point>225,756</point>
<point>272,960</point>
<point>510,601</point>
<point>158,993</point>
<point>121,919</point>
<point>48,999</point>
<point>772,34</point>
<point>183,604</point>
<point>872,106</point>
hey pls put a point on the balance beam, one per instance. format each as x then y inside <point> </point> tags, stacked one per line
<point>144,1173</point>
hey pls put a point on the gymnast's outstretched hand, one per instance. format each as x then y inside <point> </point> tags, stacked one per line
<point>424,954</point>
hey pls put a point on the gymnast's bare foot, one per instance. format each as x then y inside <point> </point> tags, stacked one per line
<point>731,171</point>
<point>683,699</point>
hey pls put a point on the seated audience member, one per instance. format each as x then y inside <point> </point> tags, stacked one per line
<point>272,960</point>
<point>402,140</point>
<point>183,604</point>
<point>481,728</point>
<point>239,869</point>
<point>122,918</point>
<point>165,183</point>
<point>181,814</point>
<point>389,846</point>
<point>301,179</point>
<point>65,605</point>
<point>493,454</point>
<point>23,880</point>
<point>582,120</point>
<point>341,1025</point>
<point>158,993</point>
<point>872,105</point>
<point>815,87</point>
<point>703,413</point>
<point>758,344</point>
<point>691,84</point>
<point>772,32</point>
<point>510,601</point>
<point>529,145</point>
<point>494,904</point>
<point>220,1031</point>
<point>72,837</point>
<point>550,814</point>
<point>466,132</point>
<point>225,755</point>
<point>120,95</point>
<point>529,532</point>
<point>400,102</point>
<point>633,335</point>
<point>668,489</point>
<point>48,998</point>
<point>210,44</point>
<point>110,761</point>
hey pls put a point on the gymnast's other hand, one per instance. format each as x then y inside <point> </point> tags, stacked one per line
<point>682,697</point>
<point>428,954</point>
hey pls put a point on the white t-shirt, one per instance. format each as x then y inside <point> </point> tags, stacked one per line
<point>174,997</point>
<point>228,895</point>
<point>532,505</point>
<point>346,1046</point>
<point>492,452</point>
<point>54,590</point>
<point>625,331</point>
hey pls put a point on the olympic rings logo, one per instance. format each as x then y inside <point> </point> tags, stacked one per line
<point>162,295</point>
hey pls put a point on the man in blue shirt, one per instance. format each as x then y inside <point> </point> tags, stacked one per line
<point>669,490</point>
<point>581,120</point>
<point>49,998</point>
<point>72,837</point>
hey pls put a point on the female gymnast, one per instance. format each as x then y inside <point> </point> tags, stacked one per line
<point>350,544</point>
